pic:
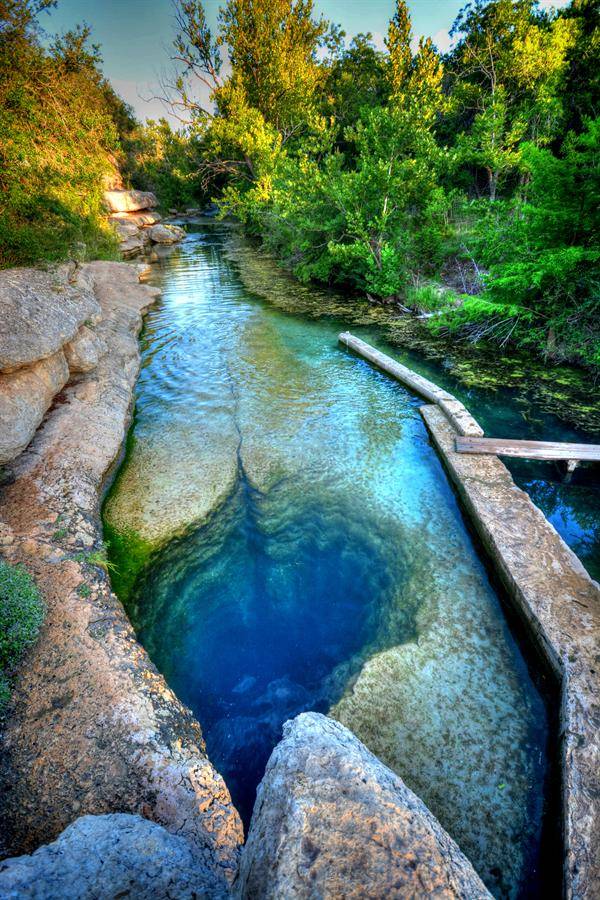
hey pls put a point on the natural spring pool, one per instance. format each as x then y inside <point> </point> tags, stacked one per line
<point>286,539</point>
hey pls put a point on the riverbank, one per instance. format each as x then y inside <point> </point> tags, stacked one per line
<point>92,727</point>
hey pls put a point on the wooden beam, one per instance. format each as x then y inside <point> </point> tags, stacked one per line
<point>453,409</point>
<point>548,450</point>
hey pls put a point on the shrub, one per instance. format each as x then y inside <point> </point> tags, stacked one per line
<point>21,615</point>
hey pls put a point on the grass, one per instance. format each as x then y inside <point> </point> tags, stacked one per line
<point>21,616</point>
<point>428,297</point>
<point>97,558</point>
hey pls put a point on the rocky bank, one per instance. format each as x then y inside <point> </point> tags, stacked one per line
<point>136,222</point>
<point>330,821</point>
<point>92,727</point>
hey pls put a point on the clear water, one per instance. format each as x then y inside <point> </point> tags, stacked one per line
<point>307,552</point>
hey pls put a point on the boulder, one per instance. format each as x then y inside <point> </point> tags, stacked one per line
<point>102,857</point>
<point>166,234</point>
<point>141,218</point>
<point>331,821</point>
<point>40,311</point>
<point>132,246</point>
<point>129,201</point>
<point>125,228</point>
<point>25,396</point>
<point>84,351</point>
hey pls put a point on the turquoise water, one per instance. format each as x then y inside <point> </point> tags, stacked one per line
<point>307,552</point>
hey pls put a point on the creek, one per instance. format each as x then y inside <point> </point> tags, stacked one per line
<point>285,538</point>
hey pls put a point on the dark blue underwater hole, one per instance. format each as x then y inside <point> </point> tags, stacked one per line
<point>267,611</point>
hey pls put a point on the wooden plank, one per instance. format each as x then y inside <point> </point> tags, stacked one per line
<point>547,450</point>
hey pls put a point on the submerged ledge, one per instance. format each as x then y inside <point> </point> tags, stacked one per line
<point>554,595</point>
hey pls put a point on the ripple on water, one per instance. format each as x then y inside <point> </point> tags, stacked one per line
<point>321,563</point>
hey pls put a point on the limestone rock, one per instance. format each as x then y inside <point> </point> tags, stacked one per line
<point>166,234</point>
<point>25,395</point>
<point>141,218</point>
<point>131,246</point>
<point>84,351</point>
<point>126,229</point>
<point>87,701</point>
<point>129,201</point>
<point>332,821</point>
<point>103,857</point>
<point>40,310</point>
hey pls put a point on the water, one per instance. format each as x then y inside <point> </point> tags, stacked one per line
<point>287,540</point>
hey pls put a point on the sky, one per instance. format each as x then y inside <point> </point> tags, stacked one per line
<point>135,35</point>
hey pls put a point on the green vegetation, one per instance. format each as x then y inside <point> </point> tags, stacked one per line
<point>464,187</point>
<point>387,172</point>
<point>164,161</point>
<point>21,615</point>
<point>98,558</point>
<point>59,127</point>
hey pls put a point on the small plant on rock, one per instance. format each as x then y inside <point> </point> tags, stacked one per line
<point>21,615</point>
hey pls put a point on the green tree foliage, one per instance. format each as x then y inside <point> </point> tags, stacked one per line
<point>59,122</point>
<point>349,162</point>
<point>366,224</point>
<point>543,287</point>
<point>357,79</point>
<point>415,80</point>
<point>165,161</point>
<point>272,47</point>
<point>506,74</point>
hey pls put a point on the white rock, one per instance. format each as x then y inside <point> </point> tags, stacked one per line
<point>84,351</point>
<point>25,396</point>
<point>141,218</point>
<point>129,201</point>
<point>166,234</point>
<point>331,821</point>
<point>40,311</point>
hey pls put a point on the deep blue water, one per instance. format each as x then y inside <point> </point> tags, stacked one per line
<point>252,615</point>
<point>310,554</point>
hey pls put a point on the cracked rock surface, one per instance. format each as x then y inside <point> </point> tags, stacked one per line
<point>332,821</point>
<point>103,857</point>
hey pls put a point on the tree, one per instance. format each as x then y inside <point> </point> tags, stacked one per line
<point>505,75</point>
<point>272,46</point>
<point>415,81</point>
<point>59,139</point>
<point>356,80</point>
